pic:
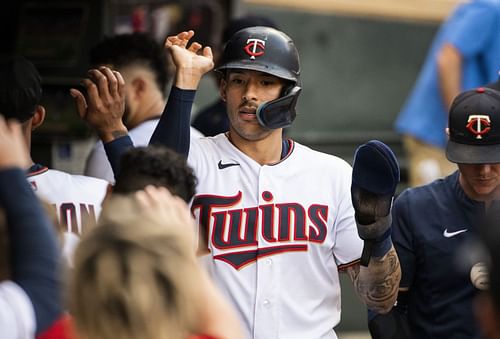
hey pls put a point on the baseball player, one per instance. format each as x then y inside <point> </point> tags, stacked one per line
<point>76,199</point>
<point>435,225</point>
<point>275,217</point>
<point>143,65</point>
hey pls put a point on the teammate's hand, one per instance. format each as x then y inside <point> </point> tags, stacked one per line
<point>105,103</point>
<point>191,62</point>
<point>13,149</point>
<point>169,209</point>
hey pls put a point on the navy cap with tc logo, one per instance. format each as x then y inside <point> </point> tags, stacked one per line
<point>474,127</point>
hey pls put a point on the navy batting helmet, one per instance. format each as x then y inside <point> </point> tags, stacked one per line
<point>263,49</point>
<point>270,51</point>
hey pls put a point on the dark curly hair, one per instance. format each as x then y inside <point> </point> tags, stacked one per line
<point>126,49</point>
<point>158,166</point>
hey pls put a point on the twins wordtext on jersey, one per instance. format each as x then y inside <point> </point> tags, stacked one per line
<point>243,235</point>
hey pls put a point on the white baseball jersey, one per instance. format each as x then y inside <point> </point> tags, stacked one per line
<point>277,235</point>
<point>76,199</point>
<point>97,162</point>
<point>17,316</point>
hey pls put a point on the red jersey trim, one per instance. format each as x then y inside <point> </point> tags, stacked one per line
<point>38,171</point>
<point>291,145</point>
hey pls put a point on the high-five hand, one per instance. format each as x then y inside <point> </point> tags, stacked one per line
<point>191,62</point>
<point>105,104</point>
<point>172,211</point>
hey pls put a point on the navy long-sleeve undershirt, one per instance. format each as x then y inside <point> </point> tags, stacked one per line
<point>173,130</point>
<point>34,253</point>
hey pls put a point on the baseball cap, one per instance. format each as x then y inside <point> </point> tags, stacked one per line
<point>474,127</point>
<point>20,88</point>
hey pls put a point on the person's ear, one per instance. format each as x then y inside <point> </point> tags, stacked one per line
<point>222,89</point>
<point>138,87</point>
<point>38,117</point>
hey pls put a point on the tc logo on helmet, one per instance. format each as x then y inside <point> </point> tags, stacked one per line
<point>255,47</point>
<point>478,125</point>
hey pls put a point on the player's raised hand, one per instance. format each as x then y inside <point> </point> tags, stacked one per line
<point>191,61</point>
<point>171,210</point>
<point>104,105</point>
<point>13,149</point>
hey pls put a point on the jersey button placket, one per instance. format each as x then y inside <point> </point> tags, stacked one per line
<point>266,307</point>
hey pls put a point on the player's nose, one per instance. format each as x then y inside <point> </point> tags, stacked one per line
<point>484,169</point>
<point>250,91</point>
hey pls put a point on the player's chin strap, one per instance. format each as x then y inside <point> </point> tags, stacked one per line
<point>281,112</point>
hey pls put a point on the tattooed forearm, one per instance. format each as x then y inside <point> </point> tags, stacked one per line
<point>377,285</point>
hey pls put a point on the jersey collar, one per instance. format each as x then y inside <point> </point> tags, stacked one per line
<point>36,169</point>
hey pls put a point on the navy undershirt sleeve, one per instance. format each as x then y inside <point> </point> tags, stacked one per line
<point>114,151</point>
<point>173,129</point>
<point>34,254</point>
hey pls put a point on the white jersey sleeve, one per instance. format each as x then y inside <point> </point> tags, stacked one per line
<point>17,317</point>
<point>195,134</point>
<point>97,164</point>
<point>347,246</point>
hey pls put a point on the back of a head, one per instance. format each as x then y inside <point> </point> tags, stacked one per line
<point>20,88</point>
<point>124,50</point>
<point>158,166</point>
<point>134,277</point>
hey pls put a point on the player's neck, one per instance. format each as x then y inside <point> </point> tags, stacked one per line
<point>148,109</point>
<point>27,130</point>
<point>265,151</point>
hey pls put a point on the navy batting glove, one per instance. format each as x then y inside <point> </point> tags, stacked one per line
<point>375,176</point>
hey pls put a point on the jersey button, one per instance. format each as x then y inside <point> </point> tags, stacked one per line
<point>267,303</point>
<point>269,261</point>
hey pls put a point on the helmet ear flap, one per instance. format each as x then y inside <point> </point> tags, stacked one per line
<point>281,112</point>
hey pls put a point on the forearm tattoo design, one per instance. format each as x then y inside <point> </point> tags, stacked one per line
<point>377,285</point>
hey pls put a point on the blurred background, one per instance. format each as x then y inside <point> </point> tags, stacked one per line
<point>359,60</point>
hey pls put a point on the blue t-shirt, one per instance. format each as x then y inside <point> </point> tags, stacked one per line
<point>433,228</point>
<point>474,29</point>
